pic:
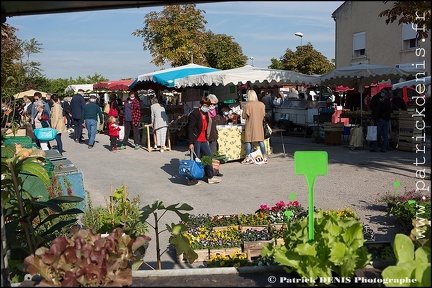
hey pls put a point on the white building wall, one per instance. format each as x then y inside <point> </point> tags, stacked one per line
<point>383,41</point>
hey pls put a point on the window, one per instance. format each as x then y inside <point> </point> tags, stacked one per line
<point>409,36</point>
<point>359,44</point>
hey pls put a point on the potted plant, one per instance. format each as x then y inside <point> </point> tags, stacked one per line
<point>87,259</point>
<point>120,211</point>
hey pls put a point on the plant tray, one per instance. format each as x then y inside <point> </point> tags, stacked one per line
<point>244,228</point>
<point>224,228</point>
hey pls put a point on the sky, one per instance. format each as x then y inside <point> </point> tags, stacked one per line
<point>82,44</point>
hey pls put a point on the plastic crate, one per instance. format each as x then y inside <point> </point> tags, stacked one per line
<point>23,140</point>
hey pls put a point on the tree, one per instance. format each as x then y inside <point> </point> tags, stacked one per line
<point>175,34</point>
<point>223,53</point>
<point>11,54</point>
<point>32,69</point>
<point>275,64</point>
<point>417,12</point>
<point>305,60</point>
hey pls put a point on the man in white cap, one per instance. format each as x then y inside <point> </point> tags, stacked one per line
<point>90,115</point>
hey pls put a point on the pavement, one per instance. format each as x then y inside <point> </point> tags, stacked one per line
<point>354,179</point>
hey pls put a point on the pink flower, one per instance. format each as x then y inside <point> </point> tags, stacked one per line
<point>280,204</point>
<point>264,207</point>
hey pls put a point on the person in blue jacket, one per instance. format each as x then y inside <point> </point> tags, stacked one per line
<point>90,116</point>
<point>77,105</point>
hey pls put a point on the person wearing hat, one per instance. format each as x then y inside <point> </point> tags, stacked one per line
<point>90,115</point>
<point>77,105</point>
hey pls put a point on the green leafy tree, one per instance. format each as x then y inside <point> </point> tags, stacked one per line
<point>223,53</point>
<point>306,60</point>
<point>11,55</point>
<point>418,12</point>
<point>275,64</point>
<point>32,69</point>
<point>175,34</point>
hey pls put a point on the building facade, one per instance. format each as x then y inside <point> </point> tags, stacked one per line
<point>364,37</point>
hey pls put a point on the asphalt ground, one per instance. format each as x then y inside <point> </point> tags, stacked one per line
<point>354,179</point>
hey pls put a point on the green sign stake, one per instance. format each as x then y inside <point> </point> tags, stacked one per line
<point>396,184</point>
<point>310,164</point>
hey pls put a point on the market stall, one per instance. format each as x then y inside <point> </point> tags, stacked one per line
<point>231,142</point>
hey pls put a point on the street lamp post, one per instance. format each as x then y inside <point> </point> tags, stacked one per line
<point>251,58</point>
<point>299,34</point>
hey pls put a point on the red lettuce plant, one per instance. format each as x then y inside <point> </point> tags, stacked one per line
<point>87,259</point>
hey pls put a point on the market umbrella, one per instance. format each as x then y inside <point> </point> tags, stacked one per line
<point>167,77</point>
<point>358,76</point>
<point>414,82</point>
<point>28,93</point>
<point>247,74</point>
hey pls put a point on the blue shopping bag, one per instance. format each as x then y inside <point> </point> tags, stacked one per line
<point>191,168</point>
<point>45,134</point>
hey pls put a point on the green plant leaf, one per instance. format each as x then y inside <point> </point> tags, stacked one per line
<point>36,169</point>
<point>337,253</point>
<point>306,249</point>
<point>423,254</point>
<point>422,273</point>
<point>401,271</point>
<point>403,248</point>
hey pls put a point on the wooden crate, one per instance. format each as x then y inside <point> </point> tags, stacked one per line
<point>244,228</point>
<point>203,255</point>
<point>408,146</point>
<point>253,249</point>
<point>333,127</point>
<point>225,251</point>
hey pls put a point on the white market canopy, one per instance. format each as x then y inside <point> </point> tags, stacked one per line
<point>167,77</point>
<point>358,76</point>
<point>76,87</point>
<point>414,82</point>
<point>247,74</point>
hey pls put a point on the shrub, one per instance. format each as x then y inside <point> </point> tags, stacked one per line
<point>336,250</point>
